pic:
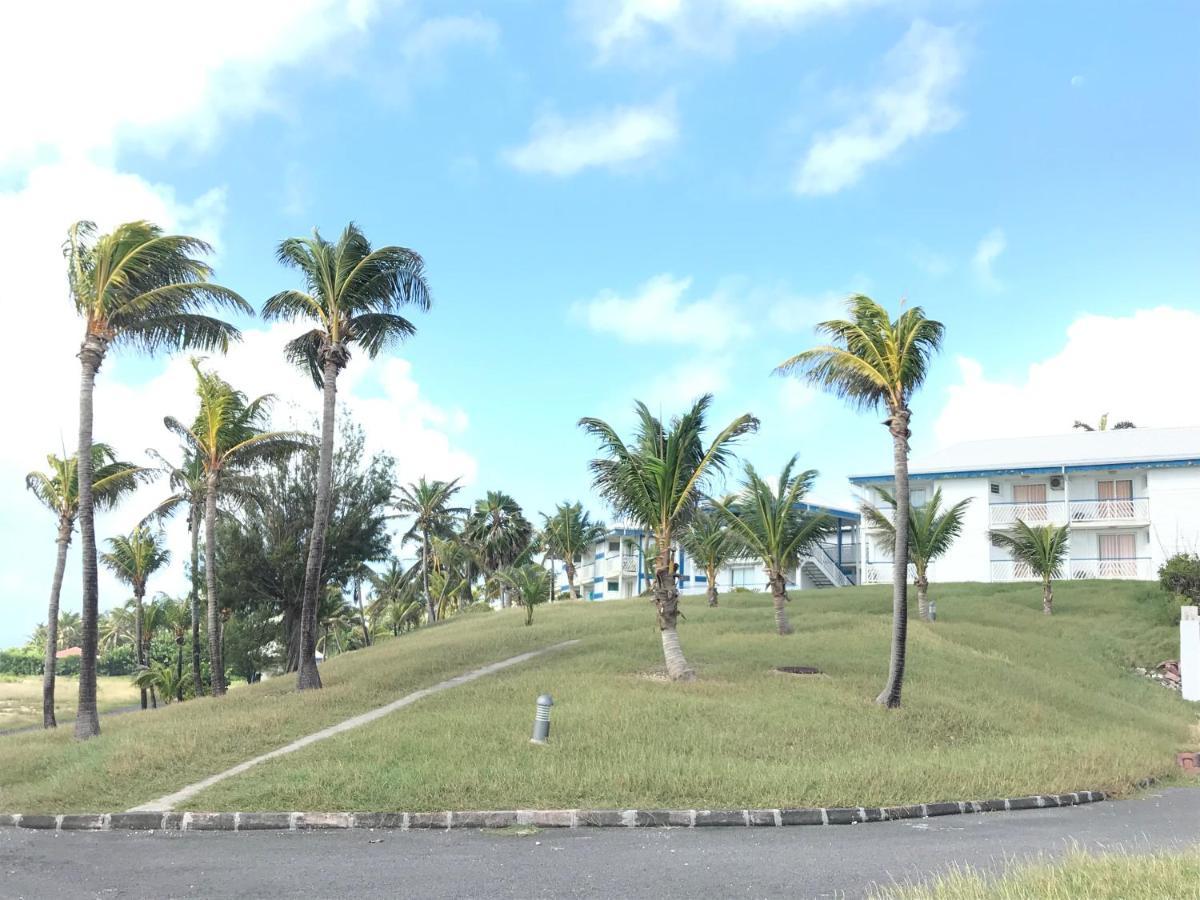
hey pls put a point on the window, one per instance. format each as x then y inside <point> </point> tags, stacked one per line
<point>613,587</point>
<point>1117,556</point>
<point>916,498</point>
<point>741,576</point>
<point>1030,502</point>
<point>1029,493</point>
<point>614,546</point>
<point>1116,499</point>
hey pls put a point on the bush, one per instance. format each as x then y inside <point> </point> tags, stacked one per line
<point>117,661</point>
<point>1181,576</point>
<point>22,661</point>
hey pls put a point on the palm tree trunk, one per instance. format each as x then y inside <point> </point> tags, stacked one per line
<point>87,717</point>
<point>138,639</point>
<point>1047,597</point>
<point>153,697</point>
<point>310,678</point>
<point>362,616</point>
<point>430,610</point>
<point>779,597</point>
<point>216,660</point>
<point>194,599</point>
<point>712,586</point>
<point>570,567</point>
<point>179,669</point>
<point>922,596</point>
<point>666,601</point>
<point>50,669</point>
<point>890,696</point>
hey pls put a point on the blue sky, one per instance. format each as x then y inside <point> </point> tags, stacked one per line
<point>645,198</point>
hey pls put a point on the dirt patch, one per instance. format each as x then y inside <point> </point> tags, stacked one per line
<point>798,670</point>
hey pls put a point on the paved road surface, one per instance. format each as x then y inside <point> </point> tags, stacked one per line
<point>667,863</point>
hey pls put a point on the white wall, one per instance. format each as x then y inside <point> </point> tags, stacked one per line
<point>968,559</point>
<point>1174,513</point>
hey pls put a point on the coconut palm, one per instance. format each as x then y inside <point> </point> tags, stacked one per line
<point>58,491</point>
<point>711,544</point>
<point>133,558</point>
<point>453,561</point>
<point>353,296</point>
<point>1042,548</point>
<point>500,534</point>
<point>931,531</point>
<point>227,437</point>
<point>874,362</point>
<point>133,287</point>
<point>528,584</point>
<point>70,626</point>
<point>116,628</point>
<point>657,480</point>
<point>175,617</point>
<point>1102,425</point>
<point>398,601</point>
<point>428,504</point>
<point>774,525</point>
<point>567,534</point>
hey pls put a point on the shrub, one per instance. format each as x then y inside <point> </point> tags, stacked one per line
<point>117,661</point>
<point>22,661</point>
<point>1181,576</point>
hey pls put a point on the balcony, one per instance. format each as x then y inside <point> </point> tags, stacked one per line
<point>1136,568</point>
<point>1124,511</point>
<point>619,564</point>
<point>881,572</point>
<point>1010,570</point>
<point>1051,512</point>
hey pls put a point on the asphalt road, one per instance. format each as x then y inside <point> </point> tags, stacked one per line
<point>841,861</point>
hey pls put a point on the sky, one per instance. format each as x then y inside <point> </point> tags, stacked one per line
<point>615,199</point>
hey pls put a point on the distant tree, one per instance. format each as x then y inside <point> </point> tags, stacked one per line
<point>1102,425</point>
<point>711,544</point>
<point>528,584</point>
<point>58,491</point>
<point>398,601</point>
<point>1180,575</point>
<point>117,629</point>
<point>565,536</point>
<point>133,558</point>
<point>140,288</point>
<point>353,297</point>
<point>501,535</point>
<point>428,504</point>
<point>774,526</point>
<point>1042,548</point>
<point>931,532</point>
<point>874,362</point>
<point>657,480</point>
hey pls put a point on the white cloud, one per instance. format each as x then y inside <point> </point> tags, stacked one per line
<point>675,388</point>
<point>922,69</point>
<point>658,312</point>
<point>986,253</point>
<point>428,43</point>
<point>614,138</point>
<point>1132,367</point>
<point>630,27</point>
<point>1077,81</point>
<point>800,314</point>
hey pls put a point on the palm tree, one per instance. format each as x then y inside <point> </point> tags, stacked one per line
<point>133,558</point>
<point>501,535</point>
<point>227,435</point>
<point>565,536</point>
<point>70,625</point>
<point>874,362</point>
<point>353,296</point>
<point>1102,425</point>
<point>140,288</point>
<point>397,598</point>
<point>58,491</point>
<point>710,542</point>
<point>428,504</point>
<point>775,527</point>
<point>116,628</point>
<point>931,531</point>
<point>175,615</point>
<point>529,583</point>
<point>657,481</point>
<point>1042,548</point>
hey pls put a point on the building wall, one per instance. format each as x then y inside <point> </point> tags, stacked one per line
<point>1174,512</point>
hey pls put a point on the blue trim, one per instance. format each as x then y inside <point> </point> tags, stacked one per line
<point>832,510</point>
<point>597,595</point>
<point>599,555</point>
<point>597,579</point>
<point>700,579</point>
<point>1031,470</point>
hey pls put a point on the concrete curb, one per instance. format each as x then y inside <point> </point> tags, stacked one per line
<point>540,818</point>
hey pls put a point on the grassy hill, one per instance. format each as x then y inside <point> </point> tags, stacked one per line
<point>999,701</point>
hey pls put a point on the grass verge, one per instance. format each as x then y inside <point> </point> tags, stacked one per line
<point>21,699</point>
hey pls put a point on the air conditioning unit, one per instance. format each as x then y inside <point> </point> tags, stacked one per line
<point>1056,483</point>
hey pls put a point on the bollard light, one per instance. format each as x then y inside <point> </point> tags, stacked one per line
<point>932,610</point>
<point>541,721</point>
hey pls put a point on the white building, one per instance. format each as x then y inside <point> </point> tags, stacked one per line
<point>1130,497</point>
<point>616,566</point>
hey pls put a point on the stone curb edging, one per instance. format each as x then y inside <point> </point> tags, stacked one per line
<point>540,818</point>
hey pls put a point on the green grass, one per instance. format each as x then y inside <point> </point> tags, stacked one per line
<point>999,701</point>
<point>1113,876</point>
<point>21,699</point>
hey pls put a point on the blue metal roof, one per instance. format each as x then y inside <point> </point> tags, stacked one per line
<point>1029,470</point>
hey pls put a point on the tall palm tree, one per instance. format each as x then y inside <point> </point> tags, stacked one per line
<point>427,503</point>
<point>133,287</point>
<point>116,628</point>
<point>656,480</point>
<point>773,525</point>
<point>1042,548</point>
<point>58,491</point>
<point>501,534</point>
<point>70,626</point>
<point>874,362</point>
<point>175,616</point>
<point>353,296</point>
<point>567,534</point>
<point>931,532</point>
<point>1102,425</point>
<point>529,584</point>
<point>711,544</point>
<point>133,558</point>
<point>228,434</point>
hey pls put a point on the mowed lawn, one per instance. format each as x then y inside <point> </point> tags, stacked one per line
<point>21,699</point>
<point>999,701</point>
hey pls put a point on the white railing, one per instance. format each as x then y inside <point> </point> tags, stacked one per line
<point>619,564</point>
<point>1133,509</point>
<point>1136,568</point>
<point>881,572</point>
<point>629,565</point>
<point>1010,570</point>
<point>827,567</point>
<point>1052,512</point>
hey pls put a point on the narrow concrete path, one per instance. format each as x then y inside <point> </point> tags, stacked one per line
<point>664,863</point>
<point>170,801</point>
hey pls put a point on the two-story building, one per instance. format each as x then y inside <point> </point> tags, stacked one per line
<point>1131,499</point>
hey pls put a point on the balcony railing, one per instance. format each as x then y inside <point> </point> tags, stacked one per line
<point>1137,567</point>
<point>1051,512</point>
<point>618,564</point>
<point>1131,509</point>
<point>881,572</point>
<point>1010,570</point>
